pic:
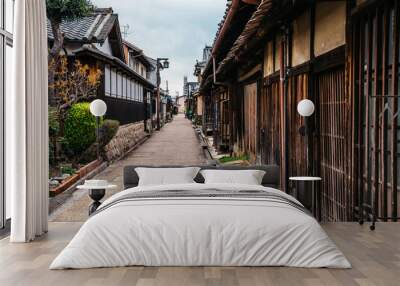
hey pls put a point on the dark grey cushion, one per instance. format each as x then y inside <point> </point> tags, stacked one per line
<point>271,177</point>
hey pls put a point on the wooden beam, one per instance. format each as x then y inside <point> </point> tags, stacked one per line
<point>395,85</point>
<point>360,34</point>
<point>283,124</point>
<point>385,50</point>
<point>366,95</point>
<point>375,158</point>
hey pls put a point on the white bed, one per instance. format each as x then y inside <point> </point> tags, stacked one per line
<point>200,231</point>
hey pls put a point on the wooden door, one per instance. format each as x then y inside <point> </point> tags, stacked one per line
<point>375,72</point>
<point>250,135</point>
<point>270,128</point>
<point>297,148</point>
<point>333,159</point>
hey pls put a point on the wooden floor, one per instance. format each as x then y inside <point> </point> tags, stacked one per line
<point>375,257</point>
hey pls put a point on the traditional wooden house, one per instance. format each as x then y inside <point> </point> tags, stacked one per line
<point>145,67</point>
<point>180,103</point>
<point>343,56</point>
<point>96,40</point>
<point>198,99</point>
<point>189,89</point>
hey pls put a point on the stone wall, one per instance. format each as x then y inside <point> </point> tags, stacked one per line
<point>126,138</point>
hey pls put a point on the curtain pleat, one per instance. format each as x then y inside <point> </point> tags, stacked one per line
<point>27,142</point>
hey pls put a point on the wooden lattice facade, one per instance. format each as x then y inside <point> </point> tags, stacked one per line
<point>375,69</point>
<point>342,55</point>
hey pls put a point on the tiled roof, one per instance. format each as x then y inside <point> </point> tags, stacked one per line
<point>250,30</point>
<point>222,22</point>
<point>93,28</point>
<point>132,46</point>
<point>139,53</point>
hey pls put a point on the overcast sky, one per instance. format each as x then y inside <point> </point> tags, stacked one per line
<point>177,29</point>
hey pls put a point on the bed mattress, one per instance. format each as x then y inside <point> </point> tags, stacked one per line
<point>201,225</point>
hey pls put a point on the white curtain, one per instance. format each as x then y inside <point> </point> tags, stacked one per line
<point>27,124</point>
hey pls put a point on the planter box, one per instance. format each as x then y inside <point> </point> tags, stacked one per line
<point>70,181</point>
<point>88,168</point>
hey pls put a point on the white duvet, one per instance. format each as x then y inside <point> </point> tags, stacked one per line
<point>200,232</point>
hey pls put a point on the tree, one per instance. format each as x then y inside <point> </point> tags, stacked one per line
<point>78,83</point>
<point>71,85</point>
<point>58,11</point>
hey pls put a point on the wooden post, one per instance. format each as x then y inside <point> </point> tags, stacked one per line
<point>384,117</point>
<point>283,116</point>
<point>395,85</point>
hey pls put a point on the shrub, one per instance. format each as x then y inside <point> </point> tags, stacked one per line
<point>67,170</point>
<point>107,131</point>
<point>54,129</point>
<point>79,129</point>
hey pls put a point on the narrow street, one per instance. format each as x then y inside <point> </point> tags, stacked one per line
<point>175,144</point>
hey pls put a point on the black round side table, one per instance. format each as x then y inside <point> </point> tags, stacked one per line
<point>97,190</point>
<point>96,195</point>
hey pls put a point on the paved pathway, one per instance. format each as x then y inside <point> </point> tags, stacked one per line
<point>175,144</point>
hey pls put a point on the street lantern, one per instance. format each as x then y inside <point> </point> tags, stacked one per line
<point>166,64</point>
<point>98,108</point>
<point>306,109</point>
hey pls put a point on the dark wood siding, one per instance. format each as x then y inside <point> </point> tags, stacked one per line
<point>250,121</point>
<point>376,95</point>
<point>125,111</point>
<point>297,90</point>
<point>334,164</point>
<point>270,128</point>
<point>222,116</point>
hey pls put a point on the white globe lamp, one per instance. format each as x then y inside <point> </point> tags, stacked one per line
<point>98,108</point>
<point>305,108</point>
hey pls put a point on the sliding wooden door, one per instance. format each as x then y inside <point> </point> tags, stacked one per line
<point>297,153</point>
<point>376,95</point>
<point>333,158</point>
<point>270,128</point>
<point>250,135</point>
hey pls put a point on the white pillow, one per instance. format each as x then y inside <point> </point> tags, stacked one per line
<point>166,176</point>
<point>247,177</point>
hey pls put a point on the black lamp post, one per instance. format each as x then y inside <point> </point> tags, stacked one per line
<point>98,108</point>
<point>306,109</point>
<point>164,65</point>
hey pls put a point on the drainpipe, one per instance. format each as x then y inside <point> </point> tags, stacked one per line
<point>215,82</point>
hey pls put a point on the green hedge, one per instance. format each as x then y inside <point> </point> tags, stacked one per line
<point>80,128</point>
<point>108,130</point>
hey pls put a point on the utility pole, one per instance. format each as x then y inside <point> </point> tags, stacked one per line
<point>124,32</point>
<point>160,66</point>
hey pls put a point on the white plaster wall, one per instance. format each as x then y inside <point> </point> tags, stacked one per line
<point>301,39</point>
<point>330,26</point>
